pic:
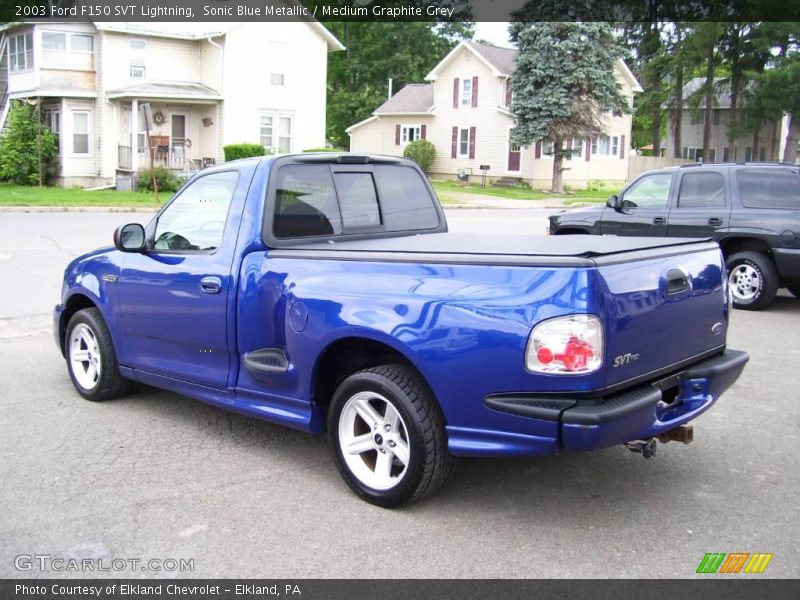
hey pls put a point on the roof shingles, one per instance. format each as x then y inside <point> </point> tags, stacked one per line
<point>413,98</point>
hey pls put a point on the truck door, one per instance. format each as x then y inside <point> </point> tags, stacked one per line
<point>701,204</point>
<point>173,298</point>
<point>643,210</point>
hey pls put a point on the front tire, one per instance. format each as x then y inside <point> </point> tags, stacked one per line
<point>388,436</point>
<point>753,280</point>
<point>91,360</point>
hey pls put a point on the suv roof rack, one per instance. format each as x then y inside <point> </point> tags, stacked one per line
<point>738,163</point>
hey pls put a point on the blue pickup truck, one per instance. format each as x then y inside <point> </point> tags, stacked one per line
<point>323,292</point>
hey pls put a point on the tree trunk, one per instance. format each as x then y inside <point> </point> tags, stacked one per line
<point>709,99</point>
<point>558,162</point>
<point>677,150</point>
<point>656,129</point>
<point>756,139</point>
<point>735,78</point>
<point>792,135</point>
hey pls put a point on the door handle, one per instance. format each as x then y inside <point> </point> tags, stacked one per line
<point>659,221</point>
<point>715,221</point>
<point>210,285</point>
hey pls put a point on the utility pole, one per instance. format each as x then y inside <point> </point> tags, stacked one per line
<point>147,122</point>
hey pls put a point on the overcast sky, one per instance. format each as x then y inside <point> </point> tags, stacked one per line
<point>494,33</point>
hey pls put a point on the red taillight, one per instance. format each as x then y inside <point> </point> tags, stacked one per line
<point>576,355</point>
<point>545,355</point>
<point>572,344</point>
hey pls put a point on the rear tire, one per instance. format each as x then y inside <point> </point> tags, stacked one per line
<point>91,360</point>
<point>388,436</point>
<point>753,280</point>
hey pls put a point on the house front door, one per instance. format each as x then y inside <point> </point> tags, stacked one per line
<point>513,157</point>
<point>178,131</point>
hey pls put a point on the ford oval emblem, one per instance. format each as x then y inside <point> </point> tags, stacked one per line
<point>716,328</point>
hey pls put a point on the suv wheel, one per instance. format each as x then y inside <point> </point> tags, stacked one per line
<point>753,280</point>
<point>388,436</point>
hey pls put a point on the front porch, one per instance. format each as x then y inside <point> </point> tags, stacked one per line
<point>184,135</point>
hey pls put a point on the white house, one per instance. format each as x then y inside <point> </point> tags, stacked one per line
<point>464,112</point>
<point>208,85</point>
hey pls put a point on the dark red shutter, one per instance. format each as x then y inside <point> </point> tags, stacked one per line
<point>397,135</point>
<point>455,92</point>
<point>508,92</point>
<point>537,153</point>
<point>423,131</point>
<point>472,142</point>
<point>588,149</point>
<point>622,146</point>
<point>454,149</point>
<point>474,92</point>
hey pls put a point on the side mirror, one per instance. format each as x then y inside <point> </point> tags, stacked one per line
<point>130,238</point>
<point>614,202</point>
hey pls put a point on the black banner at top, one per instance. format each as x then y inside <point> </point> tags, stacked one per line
<point>394,10</point>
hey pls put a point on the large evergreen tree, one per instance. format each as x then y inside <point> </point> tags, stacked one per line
<point>563,83</point>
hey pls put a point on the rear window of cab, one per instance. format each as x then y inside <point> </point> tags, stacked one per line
<point>321,200</point>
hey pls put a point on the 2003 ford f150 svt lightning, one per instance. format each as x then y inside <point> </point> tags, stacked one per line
<point>323,292</point>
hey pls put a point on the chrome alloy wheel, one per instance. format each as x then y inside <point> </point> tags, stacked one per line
<point>84,356</point>
<point>373,440</point>
<point>745,281</point>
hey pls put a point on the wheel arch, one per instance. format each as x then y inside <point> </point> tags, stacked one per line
<point>77,301</point>
<point>732,245</point>
<point>347,355</point>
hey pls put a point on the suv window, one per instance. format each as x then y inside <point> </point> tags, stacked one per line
<point>195,220</point>
<point>702,190</point>
<point>311,201</point>
<point>769,188</point>
<point>651,191</point>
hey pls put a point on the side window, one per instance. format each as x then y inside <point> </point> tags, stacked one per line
<point>357,200</point>
<point>305,203</point>
<point>196,219</point>
<point>769,188</point>
<point>406,202</point>
<point>701,190</point>
<point>651,191</point>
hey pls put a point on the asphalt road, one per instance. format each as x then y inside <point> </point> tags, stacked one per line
<point>158,476</point>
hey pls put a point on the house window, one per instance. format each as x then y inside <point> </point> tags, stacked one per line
<point>276,132</point>
<point>410,133</point>
<point>52,118</point>
<point>20,51</point>
<point>548,148</point>
<point>141,133</point>
<point>80,132</point>
<point>466,92</point>
<point>605,145</point>
<point>692,153</point>
<point>285,135</point>
<point>715,117</point>
<point>276,79</point>
<point>725,154</point>
<point>82,43</point>
<point>712,155</point>
<point>463,141</point>
<point>138,59</point>
<point>576,148</point>
<point>748,154</point>
<point>54,42</point>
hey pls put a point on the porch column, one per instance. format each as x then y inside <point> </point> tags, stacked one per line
<point>134,134</point>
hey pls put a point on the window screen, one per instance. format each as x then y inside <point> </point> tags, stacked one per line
<point>305,202</point>
<point>702,190</point>
<point>406,202</point>
<point>769,188</point>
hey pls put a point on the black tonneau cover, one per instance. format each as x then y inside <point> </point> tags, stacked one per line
<point>468,248</point>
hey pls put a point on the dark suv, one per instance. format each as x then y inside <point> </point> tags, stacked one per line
<point>751,209</point>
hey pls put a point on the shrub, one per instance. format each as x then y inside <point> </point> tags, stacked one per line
<point>21,147</point>
<point>421,152</point>
<point>236,151</point>
<point>167,180</point>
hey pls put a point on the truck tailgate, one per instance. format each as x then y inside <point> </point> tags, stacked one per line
<point>662,311</point>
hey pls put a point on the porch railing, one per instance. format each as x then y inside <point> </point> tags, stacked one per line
<point>172,157</point>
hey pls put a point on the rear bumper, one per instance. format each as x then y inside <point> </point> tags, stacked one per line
<point>640,412</point>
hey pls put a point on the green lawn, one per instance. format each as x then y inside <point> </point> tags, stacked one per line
<point>16,195</point>
<point>449,191</point>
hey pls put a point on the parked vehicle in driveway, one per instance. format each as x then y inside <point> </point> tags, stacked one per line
<point>751,209</point>
<point>323,292</point>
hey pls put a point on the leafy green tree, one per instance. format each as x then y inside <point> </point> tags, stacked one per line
<point>28,149</point>
<point>777,91</point>
<point>563,83</point>
<point>358,77</point>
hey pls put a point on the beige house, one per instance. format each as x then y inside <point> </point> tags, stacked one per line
<point>208,85</point>
<point>464,112</point>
